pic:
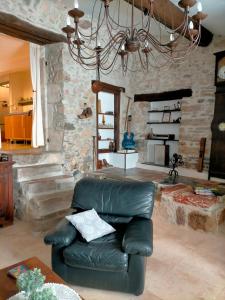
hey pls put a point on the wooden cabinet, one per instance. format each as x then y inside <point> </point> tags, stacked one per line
<point>18,127</point>
<point>108,115</point>
<point>6,192</point>
<point>217,159</point>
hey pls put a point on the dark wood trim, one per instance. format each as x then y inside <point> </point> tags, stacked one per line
<point>116,91</point>
<point>6,192</point>
<point>117,121</point>
<point>99,86</point>
<point>220,86</point>
<point>206,37</point>
<point>172,16</point>
<point>171,95</point>
<point>217,160</point>
<point>13,26</point>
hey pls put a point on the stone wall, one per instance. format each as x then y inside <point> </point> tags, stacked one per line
<point>46,14</point>
<point>78,133</point>
<point>68,86</point>
<point>197,73</point>
<point>65,86</point>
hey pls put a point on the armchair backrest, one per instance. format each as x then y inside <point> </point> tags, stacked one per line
<point>114,197</point>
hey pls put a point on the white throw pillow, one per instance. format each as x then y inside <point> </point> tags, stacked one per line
<point>90,225</point>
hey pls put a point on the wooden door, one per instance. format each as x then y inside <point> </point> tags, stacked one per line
<point>8,127</point>
<point>28,127</point>
<point>217,159</point>
<point>18,127</point>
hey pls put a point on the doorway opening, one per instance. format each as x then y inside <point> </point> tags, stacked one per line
<point>16,94</point>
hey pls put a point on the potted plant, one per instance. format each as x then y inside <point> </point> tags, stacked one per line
<point>31,284</point>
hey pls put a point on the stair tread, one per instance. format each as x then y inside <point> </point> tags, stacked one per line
<point>36,165</point>
<point>44,179</point>
<point>54,191</point>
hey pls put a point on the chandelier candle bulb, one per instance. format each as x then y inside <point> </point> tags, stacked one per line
<point>76,4</point>
<point>133,41</point>
<point>191,25</point>
<point>199,6</point>
<point>172,38</point>
<point>68,22</point>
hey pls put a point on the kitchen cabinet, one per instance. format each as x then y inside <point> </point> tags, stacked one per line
<point>18,127</point>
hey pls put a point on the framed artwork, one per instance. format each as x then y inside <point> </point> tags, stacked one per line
<point>166,117</point>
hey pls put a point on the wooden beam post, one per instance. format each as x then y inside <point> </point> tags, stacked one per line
<point>11,25</point>
<point>171,95</point>
<point>171,16</point>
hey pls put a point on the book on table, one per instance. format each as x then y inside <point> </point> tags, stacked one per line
<point>16,271</point>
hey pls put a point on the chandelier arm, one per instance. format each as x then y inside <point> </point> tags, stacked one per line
<point>72,50</point>
<point>130,42</point>
<point>140,58</point>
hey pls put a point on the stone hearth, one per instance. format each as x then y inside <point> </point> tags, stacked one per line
<point>182,206</point>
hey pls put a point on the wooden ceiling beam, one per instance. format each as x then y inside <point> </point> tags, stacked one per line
<point>171,16</point>
<point>171,95</point>
<point>99,86</point>
<point>13,26</point>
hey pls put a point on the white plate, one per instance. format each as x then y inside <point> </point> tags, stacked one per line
<point>61,291</point>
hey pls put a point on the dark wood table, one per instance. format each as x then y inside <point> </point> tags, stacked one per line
<point>8,285</point>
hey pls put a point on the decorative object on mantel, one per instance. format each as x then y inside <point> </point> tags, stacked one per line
<point>176,160</point>
<point>151,135</point>
<point>177,105</point>
<point>201,155</point>
<point>103,119</point>
<point>166,117</point>
<point>136,44</point>
<point>4,103</point>
<point>99,103</point>
<point>32,287</point>
<point>86,113</point>
<point>178,120</point>
<point>25,101</point>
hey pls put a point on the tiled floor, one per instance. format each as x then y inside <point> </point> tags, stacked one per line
<point>185,265</point>
<point>15,146</point>
<point>148,175</point>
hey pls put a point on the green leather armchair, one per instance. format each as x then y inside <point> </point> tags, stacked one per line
<point>116,261</point>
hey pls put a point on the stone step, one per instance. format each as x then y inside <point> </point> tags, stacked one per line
<point>46,184</point>
<point>42,204</point>
<point>37,171</point>
<point>38,158</point>
<point>44,224</point>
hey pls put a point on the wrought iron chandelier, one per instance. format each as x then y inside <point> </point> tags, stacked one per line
<point>135,42</point>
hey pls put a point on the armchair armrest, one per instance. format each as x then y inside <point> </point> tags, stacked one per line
<point>138,237</point>
<point>63,235</point>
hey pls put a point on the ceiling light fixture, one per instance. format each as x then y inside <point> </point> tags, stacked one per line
<point>136,41</point>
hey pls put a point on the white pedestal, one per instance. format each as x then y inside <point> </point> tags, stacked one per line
<point>124,160</point>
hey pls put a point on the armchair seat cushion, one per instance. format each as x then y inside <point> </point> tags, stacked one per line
<point>103,254</point>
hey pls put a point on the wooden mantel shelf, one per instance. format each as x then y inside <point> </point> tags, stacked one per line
<point>165,96</point>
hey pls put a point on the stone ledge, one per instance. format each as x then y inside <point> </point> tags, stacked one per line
<point>182,207</point>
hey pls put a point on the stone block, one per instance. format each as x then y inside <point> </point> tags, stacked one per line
<point>222,217</point>
<point>196,221</point>
<point>180,216</point>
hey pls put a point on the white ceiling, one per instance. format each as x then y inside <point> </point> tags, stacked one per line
<point>215,9</point>
<point>14,54</point>
<point>215,22</point>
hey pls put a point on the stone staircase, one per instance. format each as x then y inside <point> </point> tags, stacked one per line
<point>44,194</point>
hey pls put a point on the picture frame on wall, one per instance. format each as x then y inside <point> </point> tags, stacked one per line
<point>166,118</point>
